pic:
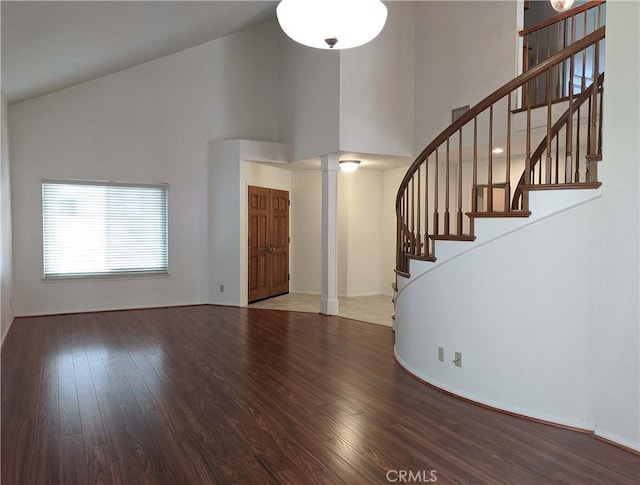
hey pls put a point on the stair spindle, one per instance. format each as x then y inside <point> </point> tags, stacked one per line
<point>447,220</point>
<point>459,212</point>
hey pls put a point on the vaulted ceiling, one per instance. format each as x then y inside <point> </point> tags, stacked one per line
<point>51,45</point>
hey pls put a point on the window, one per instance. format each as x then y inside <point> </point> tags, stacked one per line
<point>103,228</point>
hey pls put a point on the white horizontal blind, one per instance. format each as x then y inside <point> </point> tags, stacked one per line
<point>92,228</point>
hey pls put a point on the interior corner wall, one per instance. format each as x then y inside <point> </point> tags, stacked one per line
<point>377,88</point>
<point>617,389</point>
<point>6,267</point>
<point>306,231</point>
<point>149,123</point>
<point>464,51</point>
<point>309,99</point>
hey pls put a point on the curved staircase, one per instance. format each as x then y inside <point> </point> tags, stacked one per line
<point>478,192</point>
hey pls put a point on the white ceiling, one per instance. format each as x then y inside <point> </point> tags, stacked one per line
<point>52,45</point>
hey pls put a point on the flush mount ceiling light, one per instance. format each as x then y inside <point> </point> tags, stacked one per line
<point>498,150</point>
<point>349,165</point>
<point>329,24</point>
<point>561,5</point>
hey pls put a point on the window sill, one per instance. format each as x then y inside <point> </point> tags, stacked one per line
<point>103,277</point>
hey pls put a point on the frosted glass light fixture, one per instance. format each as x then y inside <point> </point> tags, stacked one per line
<point>349,166</point>
<point>332,24</point>
<point>561,5</point>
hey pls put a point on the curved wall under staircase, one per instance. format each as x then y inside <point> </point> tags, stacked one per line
<point>520,303</point>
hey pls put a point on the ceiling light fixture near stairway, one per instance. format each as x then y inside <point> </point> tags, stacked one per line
<point>332,24</point>
<point>497,150</point>
<point>561,5</point>
<point>349,165</point>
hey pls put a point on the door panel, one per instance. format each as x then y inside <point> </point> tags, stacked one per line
<point>258,235</point>
<point>280,240</point>
<point>268,217</point>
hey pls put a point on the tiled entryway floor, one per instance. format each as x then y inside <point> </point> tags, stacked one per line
<point>371,309</point>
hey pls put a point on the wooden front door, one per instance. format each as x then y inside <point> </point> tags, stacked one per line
<point>268,242</point>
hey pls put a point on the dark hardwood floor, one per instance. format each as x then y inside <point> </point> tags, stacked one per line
<point>208,395</point>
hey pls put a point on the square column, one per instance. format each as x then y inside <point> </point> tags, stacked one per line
<point>329,268</point>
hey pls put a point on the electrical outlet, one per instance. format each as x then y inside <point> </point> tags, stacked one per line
<point>458,359</point>
<point>441,354</point>
<point>221,288</point>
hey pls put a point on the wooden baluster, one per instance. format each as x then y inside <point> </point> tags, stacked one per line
<point>436,215</point>
<point>490,164</point>
<point>556,69</point>
<point>525,87</point>
<point>459,213</point>
<point>587,164</point>
<point>474,189</point>
<point>507,175</point>
<point>527,162</point>
<point>412,217</point>
<point>419,205</point>
<point>447,220</point>
<point>594,115</point>
<point>578,145</point>
<point>568,161</point>
<point>600,123</point>
<point>557,138</point>
<point>535,89</point>
<point>426,210</point>
<point>547,175</point>
<point>584,56</point>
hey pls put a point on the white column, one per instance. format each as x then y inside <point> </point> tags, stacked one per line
<point>329,296</point>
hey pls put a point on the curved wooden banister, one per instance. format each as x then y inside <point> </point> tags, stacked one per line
<point>561,16</point>
<point>536,157</point>
<point>497,95</point>
<point>432,189</point>
<point>548,37</point>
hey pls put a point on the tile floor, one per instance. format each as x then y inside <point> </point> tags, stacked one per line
<point>371,309</point>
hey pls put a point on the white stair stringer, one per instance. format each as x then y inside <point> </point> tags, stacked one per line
<point>519,303</point>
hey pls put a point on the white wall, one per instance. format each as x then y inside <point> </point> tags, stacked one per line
<point>309,99</point>
<point>618,337</point>
<point>521,305</point>
<point>306,229</point>
<point>377,88</point>
<point>150,123</point>
<point>6,267</point>
<point>464,51</point>
<point>365,227</point>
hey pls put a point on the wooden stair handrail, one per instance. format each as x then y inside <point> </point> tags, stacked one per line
<point>559,124</point>
<point>494,97</point>
<point>561,16</point>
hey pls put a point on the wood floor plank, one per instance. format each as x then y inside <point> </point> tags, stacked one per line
<point>93,433</point>
<point>99,470</point>
<point>73,465</point>
<point>221,395</point>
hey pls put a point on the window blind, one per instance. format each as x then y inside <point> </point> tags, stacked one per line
<point>103,228</point>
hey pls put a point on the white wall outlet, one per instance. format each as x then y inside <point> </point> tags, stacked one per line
<point>441,354</point>
<point>221,288</point>
<point>458,359</point>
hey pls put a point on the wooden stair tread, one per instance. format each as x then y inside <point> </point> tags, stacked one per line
<point>499,214</point>
<point>452,237</point>
<point>579,185</point>
<point>431,259</point>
